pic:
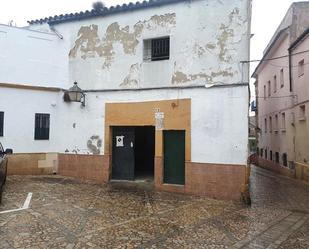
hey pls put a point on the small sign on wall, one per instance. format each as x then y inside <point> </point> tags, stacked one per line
<point>119,141</point>
<point>159,116</point>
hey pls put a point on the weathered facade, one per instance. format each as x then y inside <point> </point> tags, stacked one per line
<point>283,96</point>
<point>194,94</point>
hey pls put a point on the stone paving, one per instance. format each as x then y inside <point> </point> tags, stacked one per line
<point>66,213</point>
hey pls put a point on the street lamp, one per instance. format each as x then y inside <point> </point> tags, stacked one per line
<point>75,94</point>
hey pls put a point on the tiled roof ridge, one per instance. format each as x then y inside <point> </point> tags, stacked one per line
<point>102,12</point>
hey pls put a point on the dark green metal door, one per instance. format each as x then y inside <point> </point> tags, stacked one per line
<point>174,157</point>
<point>123,153</point>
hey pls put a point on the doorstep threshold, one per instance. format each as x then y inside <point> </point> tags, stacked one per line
<point>131,181</point>
<point>174,185</point>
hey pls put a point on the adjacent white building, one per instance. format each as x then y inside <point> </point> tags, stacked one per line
<point>282,96</point>
<point>166,94</point>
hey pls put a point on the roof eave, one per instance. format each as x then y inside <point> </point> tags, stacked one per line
<point>270,47</point>
<point>299,39</point>
<point>104,11</point>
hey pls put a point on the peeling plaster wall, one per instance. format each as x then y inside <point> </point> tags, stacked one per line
<point>208,40</point>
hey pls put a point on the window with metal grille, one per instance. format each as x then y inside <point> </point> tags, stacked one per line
<point>285,159</point>
<point>42,122</point>
<point>302,113</point>
<point>277,157</point>
<point>157,49</point>
<point>1,151</point>
<point>283,125</point>
<point>301,68</point>
<point>1,123</point>
<point>281,78</point>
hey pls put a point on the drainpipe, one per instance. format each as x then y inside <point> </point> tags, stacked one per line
<point>293,104</point>
<point>290,70</point>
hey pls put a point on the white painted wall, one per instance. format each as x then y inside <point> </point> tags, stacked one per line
<point>275,141</point>
<point>283,100</point>
<point>32,58</point>
<point>301,90</point>
<point>19,107</point>
<point>219,120</point>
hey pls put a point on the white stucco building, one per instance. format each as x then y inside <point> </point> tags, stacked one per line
<point>166,94</point>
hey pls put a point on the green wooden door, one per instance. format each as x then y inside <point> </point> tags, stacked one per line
<point>174,157</point>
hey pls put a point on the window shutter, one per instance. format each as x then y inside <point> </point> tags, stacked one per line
<point>42,124</point>
<point>1,123</point>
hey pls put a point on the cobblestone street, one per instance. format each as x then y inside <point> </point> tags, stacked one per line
<point>65,213</point>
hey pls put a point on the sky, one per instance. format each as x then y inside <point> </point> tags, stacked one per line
<point>266,15</point>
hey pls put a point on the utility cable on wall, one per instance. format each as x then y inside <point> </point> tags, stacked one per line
<point>276,58</point>
<point>281,66</point>
<point>279,97</point>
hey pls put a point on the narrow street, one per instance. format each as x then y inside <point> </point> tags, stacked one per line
<point>65,213</point>
<point>278,195</point>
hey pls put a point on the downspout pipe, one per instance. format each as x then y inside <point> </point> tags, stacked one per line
<point>290,71</point>
<point>291,90</point>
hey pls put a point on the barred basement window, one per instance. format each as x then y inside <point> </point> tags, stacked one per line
<point>42,123</point>
<point>1,123</point>
<point>157,49</point>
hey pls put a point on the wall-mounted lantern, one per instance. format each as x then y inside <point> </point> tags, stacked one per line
<point>75,94</point>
